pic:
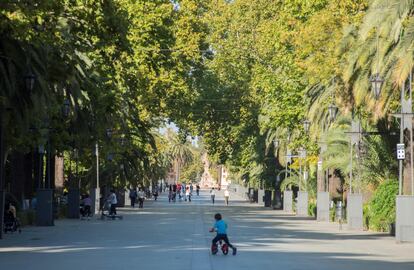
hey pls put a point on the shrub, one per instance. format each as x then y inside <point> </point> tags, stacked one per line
<point>312,209</point>
<point>365,214</point>
<point>27,217</point>
<point>63,211</point>
<point>381,209</point>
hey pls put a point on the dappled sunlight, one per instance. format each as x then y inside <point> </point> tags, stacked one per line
<point>178,233</point>
<point>61,249</point>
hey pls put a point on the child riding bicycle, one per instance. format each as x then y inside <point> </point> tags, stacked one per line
<point>221,228</point>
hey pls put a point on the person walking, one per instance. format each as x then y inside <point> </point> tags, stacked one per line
<point>188,194</point>
<point>212,194</point>
<point>141,198</point>
<point>183,188</point>
<point>198,189</point>
<point>174,193</point>
<point>226,196</point>
<point>133,197</point>
<point>155,192</point>
<point>113,202</point>
<point>170,194</point>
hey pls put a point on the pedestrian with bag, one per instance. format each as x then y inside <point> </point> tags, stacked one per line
<point>226,196</point>
<point>141,198</point>
<point>133,196</point>
<point>212,194</point>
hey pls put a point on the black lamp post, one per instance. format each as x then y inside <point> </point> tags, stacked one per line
<point>276,143</point>
<point>376,83</point>
<point>29,80</point>
<point>332,110</point>
<point>109,133</point>
<point>306,125</point>
<point>66,108</point>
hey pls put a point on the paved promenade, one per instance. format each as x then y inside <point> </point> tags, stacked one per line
<point>175,236</point>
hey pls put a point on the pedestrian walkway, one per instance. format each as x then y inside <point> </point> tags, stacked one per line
<point>175,236</point>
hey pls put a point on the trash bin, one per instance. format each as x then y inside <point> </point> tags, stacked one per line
<point>267,198</point>
<point>256,196</point>
<point>44,207</point>
<point>339,212</point>
<point>277,201</point>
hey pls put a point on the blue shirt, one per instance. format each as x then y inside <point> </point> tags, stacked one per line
<point>221,227</point>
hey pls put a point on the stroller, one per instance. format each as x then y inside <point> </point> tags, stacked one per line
<point>11,224</point>
<point>85,211</point>
<point>106,212</point>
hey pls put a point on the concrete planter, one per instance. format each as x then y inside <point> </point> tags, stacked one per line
<point>354,211</point>
<point>288,201</point>
<point>302,206</point>
<point>404,225</point>
<point>260,197</point>
<point>322,206</point>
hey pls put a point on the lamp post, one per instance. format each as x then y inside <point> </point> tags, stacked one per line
<point>354,200</point>
<point>95,192</point>
<point>41,151</point>
<point>404,226</point>
<point>29,82</point>
<point>332,110</point>
<point>323,198</point>
<point>74,190</point>
<point>277,201</point>
<point>376,83</point>
<point>306,127</point>
<point>302,205</point>
<point>66,108</point>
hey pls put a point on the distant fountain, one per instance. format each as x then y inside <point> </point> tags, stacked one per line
<point>206,179</point>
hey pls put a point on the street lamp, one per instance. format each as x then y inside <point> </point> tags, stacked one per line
<point>332,110</point>
<point>376,83</point>
<point>306,125</point>
<point>41,151</point>
<point>29,80</point>
<point>123,141</point>
<point>109,133</point>
<point>66,107</point>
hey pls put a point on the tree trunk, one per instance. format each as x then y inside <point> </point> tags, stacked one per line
<point>38,170</point>
<point>28,176</point>
<point>50,171</point>
<point>59,174</point>
<point>320,175</point>
<point>407,165</point>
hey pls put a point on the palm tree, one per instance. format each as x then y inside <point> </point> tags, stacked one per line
<point>180,151</point>
<point>384,44</point>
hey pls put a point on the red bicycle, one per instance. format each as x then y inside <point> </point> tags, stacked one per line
<point>220,245</point>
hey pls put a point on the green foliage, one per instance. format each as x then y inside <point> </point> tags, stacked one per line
<point>27,217</point>
<point>312,209</point>
<point>193,170</point>
<point>381,211</point>
<point>239,74</point>
<point>122,65</point>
